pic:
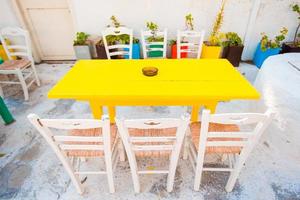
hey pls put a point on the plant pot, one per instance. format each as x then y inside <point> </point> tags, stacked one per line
<point>136,51</point>
<point>212,52</point>
<point>5,114</point>
<point>101,53</point>
<point>260,56</point>
<point>154,54</point>
<point>82,52</point>
<point>289,48</point>
<point>233,54</point>
<point>174,51</point>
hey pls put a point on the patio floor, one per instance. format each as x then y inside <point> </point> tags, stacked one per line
<point>30,170</point>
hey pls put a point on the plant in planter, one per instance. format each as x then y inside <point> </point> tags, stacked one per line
<point>233,48</point>
<point>268,47</point>
<point>189,24</point>
<point>295,45</point>
<point>212,48</point>
<point>100,48</point>
<point>81,46</point>
<point>154,38</point>
<point>123,39</point>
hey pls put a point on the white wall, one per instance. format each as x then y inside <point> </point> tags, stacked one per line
<point>7,16</point>
<point>92,16</point>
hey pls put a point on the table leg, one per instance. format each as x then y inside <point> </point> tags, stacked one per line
<point>112,113</point>
<point>195,113</point>
<point>96,109</point>
<point>211,106</point>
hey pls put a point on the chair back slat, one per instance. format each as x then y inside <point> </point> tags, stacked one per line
<point>238,119</point>
<point>62,138</point>
<point>148,45</point>
<point>192,40</point>
<point>81,147</point>
<point>118,49</point>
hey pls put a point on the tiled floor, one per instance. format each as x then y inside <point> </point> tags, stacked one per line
<point>30,170</point>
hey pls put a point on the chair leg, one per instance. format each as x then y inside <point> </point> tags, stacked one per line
<point>23,84</point>
<point>121,152</point>
<point>186,144</point>
<point>109,172</point>
<point>1,92</point>
<point>234,176</point>
<point>37,80</point>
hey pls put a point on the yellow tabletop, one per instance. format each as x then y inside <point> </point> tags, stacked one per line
<point>194,82</point>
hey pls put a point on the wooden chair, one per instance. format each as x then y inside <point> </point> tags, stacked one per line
<point>153,135</point>
<point>220,133</point>
<point>117,49</point>
<point>149,47</point>
<point>23,68</point>
<point>85,138</point>
<point>192,41</point>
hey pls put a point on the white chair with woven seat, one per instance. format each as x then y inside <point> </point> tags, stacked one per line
<point>118,49</point>
<point>84,138</point>
<point>154,46</point>
<point>143,136</point>
<point>23,69</point>
<point>220,133</point>
<point>190,42</point>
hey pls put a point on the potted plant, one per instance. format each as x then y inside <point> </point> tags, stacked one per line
<point>268,47</point>
<point>154,38</point>
<point>213,47</point>
<point>295,45</point>
<point>100,48</point>
<point>233,48</point>
<point>123,39</point>
<point>189,23</point>
<point>81,47</point>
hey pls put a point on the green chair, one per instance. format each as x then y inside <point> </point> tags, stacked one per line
<point>5,114</point>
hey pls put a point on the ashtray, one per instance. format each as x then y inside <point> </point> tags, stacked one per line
<point>150,71</point>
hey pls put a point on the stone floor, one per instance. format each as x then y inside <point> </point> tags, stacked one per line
<point>30,170</point>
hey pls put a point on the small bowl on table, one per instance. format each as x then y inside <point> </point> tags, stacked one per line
<point>150,71</point>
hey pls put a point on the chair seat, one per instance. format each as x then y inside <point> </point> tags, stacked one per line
<point>154,133</point>
<point>213,127</point>
<point>90,132</point>
<point>15,64</point>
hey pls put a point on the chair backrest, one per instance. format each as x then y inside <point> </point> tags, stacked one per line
<point>149,46</point>
<point>16,35</point>
<point>118,49</point>
<point>170,140</point>
<point>190,42</point>
<point>246,140</point>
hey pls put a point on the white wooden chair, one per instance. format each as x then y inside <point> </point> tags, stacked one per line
<point>192,40</point>
<point>147,45</point>
<point>118,49</point>
<point>153,135</point>
<point>220,133</point>
<point>85,138</point>
<point>24,68</point>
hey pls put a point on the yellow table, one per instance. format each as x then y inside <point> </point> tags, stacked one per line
<point>191,82</point>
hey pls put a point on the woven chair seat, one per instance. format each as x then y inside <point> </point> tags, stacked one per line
<point>213,127</point>
<point>90,132</point>
<point>154,133</point>
<point>15,64</point>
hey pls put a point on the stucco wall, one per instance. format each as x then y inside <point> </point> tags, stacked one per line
<point>7,16</point>
<point>92,16</point>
